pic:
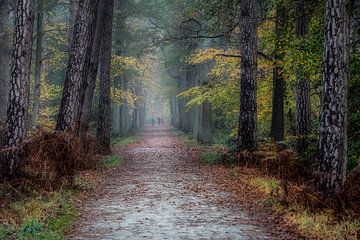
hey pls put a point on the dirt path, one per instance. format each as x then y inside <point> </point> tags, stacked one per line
<point>152,196</point>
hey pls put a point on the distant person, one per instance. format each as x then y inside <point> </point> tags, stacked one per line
<point>153,121</point>
<point>159,121</point>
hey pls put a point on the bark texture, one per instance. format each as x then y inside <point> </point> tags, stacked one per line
<point>277,119</point>
<point>331,168</point>
<point>248,73</point>
<point>77,69</point>
<point>92,75</point>
<point>73,9</point>
<point>19,85</point>
<point>38,61</point>
<point>303,110</point>
<point>5,57</point>
<point>104,124</point>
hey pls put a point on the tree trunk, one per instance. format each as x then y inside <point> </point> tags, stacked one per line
<point>19,85</point>
<point>303,114</point>
<point>92,75</point>
<point>74,7</point>
<point>206,132</point>
<point>77,69</point>
<point>331,168</point>
<point>104,124</point>
<point>5,58</point>
<point>277,119</point>
<point>248,73</point>
<point>38,62</point>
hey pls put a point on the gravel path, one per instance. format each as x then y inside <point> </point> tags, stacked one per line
<point>152,196</point>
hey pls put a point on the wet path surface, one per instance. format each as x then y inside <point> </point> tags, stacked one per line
<point>159,193</point>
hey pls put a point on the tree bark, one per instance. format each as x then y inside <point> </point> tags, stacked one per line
<point>104,124</point>
<point>248,74</point>
<point>277,119</point>
<point>303,109</point>
<point>19,85</point>
<point>5,58</point>
<point>92,75</point>
<point>74,7</point>
<point>38,61</point>
<point>331,167</point>
<point>77,69</point>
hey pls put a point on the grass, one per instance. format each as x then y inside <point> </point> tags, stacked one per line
<point>112,161</point>
<point>124,141</point>
<point>210,158</point>
<point>319,224</point>
<point>45,216</point>
<point>48,215</point>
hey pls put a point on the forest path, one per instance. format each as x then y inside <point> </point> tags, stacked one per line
<point>152,196</point>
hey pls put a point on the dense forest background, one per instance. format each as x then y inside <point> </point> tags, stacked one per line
<point>249,76</point>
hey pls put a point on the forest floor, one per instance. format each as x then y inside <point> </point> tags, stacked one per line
<point>163,190</point>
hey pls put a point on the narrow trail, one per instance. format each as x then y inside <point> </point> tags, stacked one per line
<point>150,197</point>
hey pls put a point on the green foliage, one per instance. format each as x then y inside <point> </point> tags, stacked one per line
<point>124,141</point>
<point>112,161</point>
<point>210,158</point>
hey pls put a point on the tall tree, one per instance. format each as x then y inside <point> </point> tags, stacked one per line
<point>19,85</point>
<point>92,75</point>
<point>73,9</point>
<point>104,124</point>
<point>331,167</point>
<point>248,73</point>
<point>303,114</point>
<point>277,119</point>
<point>5,56</point>
<point>78,67</point>
<point>38,60</point>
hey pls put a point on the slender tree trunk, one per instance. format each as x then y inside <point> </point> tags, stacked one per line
<point>206,132</point>
<point>38,62</point>
<point>104,124</point>
<point>331,168</point>
<point>5,58</point>
<point>277,119</point>
<point>77,69</point>
<point>248,73</point>
<point>303,114</point>
<point>92,75</point>
<point>116,114</point>
<point>19,85</point>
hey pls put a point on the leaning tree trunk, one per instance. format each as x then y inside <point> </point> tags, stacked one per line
<point>277,119</point>
<point>38,61</point>
<point>78,68</point>
<point>303,114</point>
<point>104,124</point>
<point>19,85</point>
<point>92,75</point>
<point>248,73</point>
<point>331,167</point>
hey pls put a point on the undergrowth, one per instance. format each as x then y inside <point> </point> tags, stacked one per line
<point>124,141</point>
<point>318,224</point>
<point>279,179</point>
<point>43,216</point>
<point>111,161</point>
<point>35,208</point>
<point>211,157</point>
